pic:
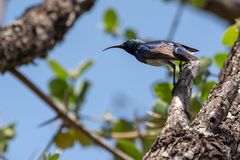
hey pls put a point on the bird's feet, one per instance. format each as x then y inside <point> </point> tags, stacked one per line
<point>174,86</point>
<point>181,65</point>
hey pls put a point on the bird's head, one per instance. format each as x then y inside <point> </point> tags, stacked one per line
<point>130,45</point>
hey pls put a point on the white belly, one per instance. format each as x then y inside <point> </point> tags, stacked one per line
<point>155,62</point>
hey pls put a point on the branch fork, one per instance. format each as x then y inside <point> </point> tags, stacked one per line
<point>214,133</point>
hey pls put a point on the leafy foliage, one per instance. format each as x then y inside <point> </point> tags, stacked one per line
<point>59,71</point>
<point>160,107</point>
<point>163,91</point>
<point>71,94</point>
<point>111,24</point>
<point>81,138</point>
<point>206,89</point>
<point>122,125</point>
<point>7,133</point>
<point>51,157</point>
<point>195,106</point>
<point>79,71</point>
<point>130,34</point>
<point>58,87</point>
<point>147,143</point>
<point>197,3</point>
<point>65,139</point>
<point>110,20</point>
<point>220,58</point>
<point>230,35</point>
<point>129,147</point>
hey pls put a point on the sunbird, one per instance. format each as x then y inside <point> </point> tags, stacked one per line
<point>158,53</point>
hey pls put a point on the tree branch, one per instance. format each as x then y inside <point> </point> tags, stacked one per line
<point>231,68</point>
<point>178,117</point>
<point>49,144</point>
<point>222,95</point>
<point>69,120</point>
<point>38,30</point>
<point>227,10</point>
<point>131,134</point>
<point>218,104</point>
<point>181,96</point>
<point>214,133</point>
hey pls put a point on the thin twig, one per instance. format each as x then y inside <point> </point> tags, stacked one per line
<point>51,141</point>
<point>181,97</point>
<point>49,144</point>
<point>69,120</point>
<point>176,20</point>
<point>134,134</point>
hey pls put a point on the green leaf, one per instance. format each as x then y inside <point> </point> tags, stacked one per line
<point>7,133</point>
<point>122,125</point>
<point>130,34</point>
<point>54,157</point>
<point>64,139</point>
<point>81,92</point>
<point>81,137</point>
<point>230,35</point>
<point>59,71</point>
<point>160,107</point>
<point>195,106</point>
<point>57,88</point>
<point>205,64</point>
<point>206,90</point>
<point>51,157</point>
<point>220,58</point>
<point>110,20</point>
<point>164,91</point>
<point>84,66</point>
<point>129,148</point>
<point>198,3</point>
<point>147,143</point>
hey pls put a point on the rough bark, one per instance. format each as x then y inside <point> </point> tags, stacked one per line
<point>227,10</point>
<point>38,30</point>
<point>215,133</point>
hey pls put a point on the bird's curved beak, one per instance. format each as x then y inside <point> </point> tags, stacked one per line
<point>116,46</point>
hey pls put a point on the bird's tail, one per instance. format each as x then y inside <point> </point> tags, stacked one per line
<point>190,57</point>
<point>185,54</point>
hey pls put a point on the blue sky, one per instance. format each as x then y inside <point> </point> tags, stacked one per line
<point>114,74</point>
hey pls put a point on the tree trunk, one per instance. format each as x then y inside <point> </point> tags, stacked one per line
<point>214,133</point>
<point>227,10</point>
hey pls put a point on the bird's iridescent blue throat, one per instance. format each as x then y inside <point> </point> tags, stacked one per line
<point>157,53</point>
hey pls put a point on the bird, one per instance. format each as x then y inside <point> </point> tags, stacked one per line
<point>158,53</point>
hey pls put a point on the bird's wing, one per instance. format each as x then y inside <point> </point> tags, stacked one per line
<point>188,48</point>
<point>162,51</point>
<point>183,54</point>
<point>166,51</point>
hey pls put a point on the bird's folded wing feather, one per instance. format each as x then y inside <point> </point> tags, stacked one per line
<point>188,48</point>
<point>163,51</point>
<point>184,54</point>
